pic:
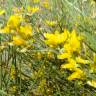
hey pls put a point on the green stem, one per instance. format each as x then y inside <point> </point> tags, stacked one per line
<point>15,65</point>
<point>0,66</point>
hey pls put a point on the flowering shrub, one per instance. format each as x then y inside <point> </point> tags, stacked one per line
<point>45,50</point>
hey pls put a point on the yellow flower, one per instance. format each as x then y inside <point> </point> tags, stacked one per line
<point>76,75</point>
<point>64,56</point>
<point>92,83</point>
<point>51,39</point>
<point>5,30</point>
<point>82,61</point>
<point>35,9</point>
<point>73,44</point>
<point>68,48</point>
<point>51,23</point>
<point>66,32</point>
<point>56,38</point>
<point>2,12</point>
<point>32,10</point>
<point>18,41</point>
<point>71,65</point>
<point>45,4</point>
<point>36,1</point>
<point>26,31</point>
<point>14,21</point>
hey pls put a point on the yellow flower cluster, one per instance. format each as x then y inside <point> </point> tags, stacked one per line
<point>32,10</point>
<point>19,29</point>
<point>72,46</point>
<point>14,21</point>
<point>17,25</point>
<point>54,39</point>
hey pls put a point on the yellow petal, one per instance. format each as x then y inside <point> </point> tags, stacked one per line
<point>14,21</point>
<point>64,56</point>
<point>51,23</point>
<point>73,44</point>
<point>2,12</point>
<point>76,75</point>
<point>26,31</point>
<point>71,65</point>
<point>32,10</point>
<point>56,38</point>
<point>18,41</point>
<point>92,83</point>
<point>68,66</point>
<point>5,30</point>
<point>45,4</point>
<point>82,61</point>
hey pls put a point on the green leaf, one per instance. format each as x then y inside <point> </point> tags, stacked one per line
<point>3,93</point>
<point>91,41</point>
